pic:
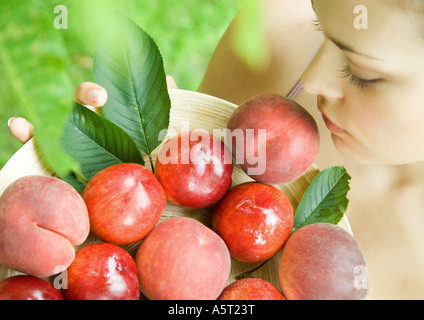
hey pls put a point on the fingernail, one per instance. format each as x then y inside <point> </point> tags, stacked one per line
<point>96,96</point>
<point>9,121</point>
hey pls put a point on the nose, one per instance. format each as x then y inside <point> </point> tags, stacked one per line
<point>322,76</point>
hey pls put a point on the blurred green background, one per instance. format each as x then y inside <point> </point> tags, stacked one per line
<point>186,32</point>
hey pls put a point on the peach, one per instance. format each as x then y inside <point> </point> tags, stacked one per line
<point>182,259</point>
<point>323,261</point>
<point>251,289</point>
<point>41,220</point>
<point>272,138</point>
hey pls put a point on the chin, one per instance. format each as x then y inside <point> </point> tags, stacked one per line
<point>370,156</point>
<point>355,152</point>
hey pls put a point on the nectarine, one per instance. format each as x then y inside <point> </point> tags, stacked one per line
<point>195,169</point>
<point>254,220</point>
<point>25,287</point>
<point>102,271</point>
<point>251,289</point>
<point>124,202</point>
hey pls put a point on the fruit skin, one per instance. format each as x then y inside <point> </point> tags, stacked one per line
<point>124,201</point>
<point>102,271</point>
<point>195,169</point>
<point>182,259</point>
<point>291,143</point>
<point>251,289</point>
<point>41,220</point>
<point>319,262</point>
<point>25,287</point>
<point>254,220</point>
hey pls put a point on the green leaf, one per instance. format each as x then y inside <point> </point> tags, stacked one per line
<point>34,59</point>
<point>96,143</point>
<point>325,200</point>
<point>129,65</point>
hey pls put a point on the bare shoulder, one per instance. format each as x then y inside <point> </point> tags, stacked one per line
<point>291,43</point>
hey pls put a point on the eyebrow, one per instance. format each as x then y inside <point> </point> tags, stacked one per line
<point>345,47</point>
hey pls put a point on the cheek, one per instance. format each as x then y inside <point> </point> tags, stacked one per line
<point>389,129</point>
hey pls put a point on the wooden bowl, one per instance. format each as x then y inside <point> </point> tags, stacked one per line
<point>190,110</point>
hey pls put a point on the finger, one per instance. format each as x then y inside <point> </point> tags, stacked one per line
<point>170,82</point>
<point>21,129</point>
<point>89,93</point>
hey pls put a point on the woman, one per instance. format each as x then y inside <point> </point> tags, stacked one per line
<point>368,86</point>
<point>364,87</point>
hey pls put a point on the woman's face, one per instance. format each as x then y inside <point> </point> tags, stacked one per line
<point>370,82</point>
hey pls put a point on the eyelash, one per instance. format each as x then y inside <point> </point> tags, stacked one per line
<point>345,71</point>
<point>356,81</point>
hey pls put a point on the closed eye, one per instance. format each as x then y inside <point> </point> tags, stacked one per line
<point>362,84</point>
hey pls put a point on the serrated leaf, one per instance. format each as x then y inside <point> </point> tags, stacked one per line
<point>129,66</point>
<point>34,58</point>
<point>325,200</point>
<point>96,143</point>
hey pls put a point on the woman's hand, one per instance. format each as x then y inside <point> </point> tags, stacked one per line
<point>86,93</point>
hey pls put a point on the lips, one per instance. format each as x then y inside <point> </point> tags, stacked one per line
<point>331,126</point>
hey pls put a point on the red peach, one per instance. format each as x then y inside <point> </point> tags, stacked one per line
<point>102,271</point>
<point>323,261</point>
<point>25,287</point>
<point>41,220</point>
<point>254,220</point>
<point>182,259</point>
<point>195,169</point>
<point>280,139</point>
<point>251,289</point>
<point>124,202</point>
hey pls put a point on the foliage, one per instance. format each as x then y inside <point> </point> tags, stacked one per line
<point>186,31</point>
<point>33,59</point>
<point>325,200</point>
<point>128,64</point>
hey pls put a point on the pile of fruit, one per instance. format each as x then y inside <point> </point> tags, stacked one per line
<point>45,222</point>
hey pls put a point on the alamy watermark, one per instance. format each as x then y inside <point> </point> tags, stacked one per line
<point>360,281</point>
<point>361,18</point>
<point>360,21</point>
<point>61,20</point>
<point>61,280</point>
